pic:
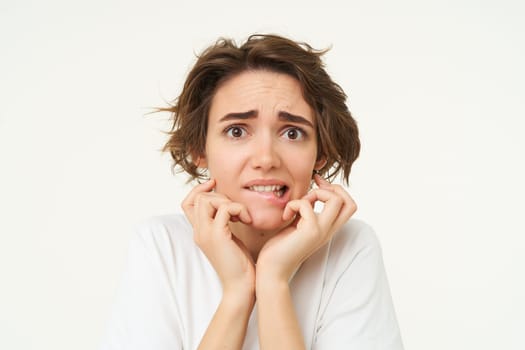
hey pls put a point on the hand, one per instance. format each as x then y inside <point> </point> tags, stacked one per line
<point>309,231</point>
<point>209,213</point>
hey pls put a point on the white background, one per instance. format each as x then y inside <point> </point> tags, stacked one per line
<point>436,86</point>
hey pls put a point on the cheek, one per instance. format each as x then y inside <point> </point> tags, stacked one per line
<point>303,178</point>
<point>223,168</point>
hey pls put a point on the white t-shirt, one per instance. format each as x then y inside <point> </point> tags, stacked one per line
<point>170,293</point>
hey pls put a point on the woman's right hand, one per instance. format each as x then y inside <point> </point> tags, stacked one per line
<point>210,213</point>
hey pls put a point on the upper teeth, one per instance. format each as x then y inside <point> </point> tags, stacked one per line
<point>270,188</point>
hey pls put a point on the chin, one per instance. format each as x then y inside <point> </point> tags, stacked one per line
<point>267,225</point>
<point>267,220</point>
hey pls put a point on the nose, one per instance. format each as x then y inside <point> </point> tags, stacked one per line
<point>265,154</point>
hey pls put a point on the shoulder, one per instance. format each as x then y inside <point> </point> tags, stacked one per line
<point>356,305</point>
<point>163,225</point>
<point>355,235</point>
<point>353,244</point>
<point>162,234</point>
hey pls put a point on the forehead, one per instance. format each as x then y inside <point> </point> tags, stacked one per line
<point>264,91</point>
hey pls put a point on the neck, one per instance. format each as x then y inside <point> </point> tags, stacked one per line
<point>252,238</point>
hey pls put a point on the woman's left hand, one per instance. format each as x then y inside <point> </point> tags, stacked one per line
<point>308,232</point>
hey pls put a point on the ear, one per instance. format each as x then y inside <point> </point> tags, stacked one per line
<point>200,161</point>
<point>320,163</point>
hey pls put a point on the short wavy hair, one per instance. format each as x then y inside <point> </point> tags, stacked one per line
<point>337,132</point>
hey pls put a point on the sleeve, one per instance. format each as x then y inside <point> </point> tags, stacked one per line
<point>359,313</point>
<point>144,315</point>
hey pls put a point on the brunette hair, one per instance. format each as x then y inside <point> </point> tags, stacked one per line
<point>337,133</point>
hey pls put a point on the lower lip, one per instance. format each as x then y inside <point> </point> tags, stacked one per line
<point>272,198</point>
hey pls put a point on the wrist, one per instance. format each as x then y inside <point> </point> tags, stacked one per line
<point>273,273</point>
<point>268,280</point>
<point>238,298</point>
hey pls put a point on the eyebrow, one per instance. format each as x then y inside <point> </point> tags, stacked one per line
<point>283,116</point>
<point>239,115</point>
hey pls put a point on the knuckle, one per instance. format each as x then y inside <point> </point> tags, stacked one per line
<point>186,203</point>
<point>203,199</point>
<point>337,187</point>
<point>223,206</point>
<point>313,191</point>
<point>349,210</point>
<point>338,200</point>
<point>352,205</point>
<point>197,198</point>
<point>303,201</point>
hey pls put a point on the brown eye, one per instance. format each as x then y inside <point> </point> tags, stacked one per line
<point>294,134</point>
<point>235,132</point>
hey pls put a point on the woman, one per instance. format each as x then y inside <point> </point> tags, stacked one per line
<point>251,264</point>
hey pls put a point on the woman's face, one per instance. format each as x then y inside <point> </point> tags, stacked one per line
<point>261,146</point>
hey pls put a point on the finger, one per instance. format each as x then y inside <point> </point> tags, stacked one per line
<point>288,212</point>
<point>338,207</point>
<point>189,202</point>
<point>205,208</point>
<point>243,215</point>
<point>349,207</point>
<point>200,188</point>
<point>333,203</point>
<point>321,182</point>
<point>207,204</point>
<point>298,206</point>
<point>310,198</point>
<point>228,210</point>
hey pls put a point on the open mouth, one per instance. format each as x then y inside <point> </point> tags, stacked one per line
<point>277,190</point>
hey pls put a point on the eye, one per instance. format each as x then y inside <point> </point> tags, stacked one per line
<point>235,132</point>
<point>294,133</point>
